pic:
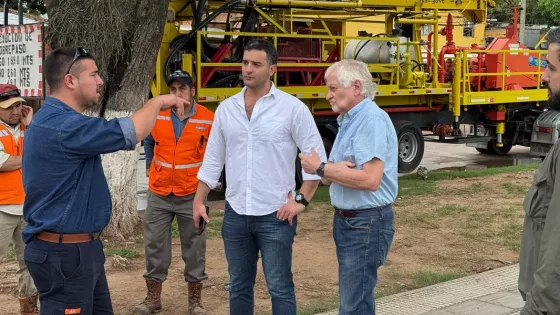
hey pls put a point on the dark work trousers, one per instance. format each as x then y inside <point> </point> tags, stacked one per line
<point>158,219</point>
<point>70,278</point>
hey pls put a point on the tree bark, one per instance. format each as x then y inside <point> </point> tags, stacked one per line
<point>120,171</point>
<point>124,36</point>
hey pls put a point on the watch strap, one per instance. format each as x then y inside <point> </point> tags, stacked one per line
<point>301,200</point>
<point>321,170</point>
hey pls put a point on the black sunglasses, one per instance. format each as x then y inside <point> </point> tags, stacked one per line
<point>6,96</point>
<point>80,53</point>
<point>180,74</point>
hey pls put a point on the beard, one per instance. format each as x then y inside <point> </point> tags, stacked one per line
<point>335,108</point>
<point>88,101</point>
<point>554,100</point>
<point>92,104</point>
<point>14,120</point>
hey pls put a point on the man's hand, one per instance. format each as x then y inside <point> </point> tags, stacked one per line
<point>290,209</point>
<point>171,101</point>
<point>310,162</point>
<point>147,172</point>
<point>199,210</point>
<point>26,115</point>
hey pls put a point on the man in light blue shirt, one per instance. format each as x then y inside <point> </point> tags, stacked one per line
<point>362,171</point>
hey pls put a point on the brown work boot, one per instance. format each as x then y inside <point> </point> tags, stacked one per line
<point>152,302</point>
<point>195,299</point>
<point>28,305</point>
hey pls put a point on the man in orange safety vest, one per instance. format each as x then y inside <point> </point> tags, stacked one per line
<point>174,153</point>
<point>14,118</point>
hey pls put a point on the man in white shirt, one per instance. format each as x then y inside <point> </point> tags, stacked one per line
<point>14,118</point>
<point>256,134</point>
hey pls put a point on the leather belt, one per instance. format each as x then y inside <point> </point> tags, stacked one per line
<point>346,214</point>
<point>67,238</point>
<point>362,212</point>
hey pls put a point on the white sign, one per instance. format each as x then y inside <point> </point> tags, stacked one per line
<point>513,47</point>
<point>21,58</point>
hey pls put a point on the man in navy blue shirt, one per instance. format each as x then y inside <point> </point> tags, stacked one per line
<point>67,202</point>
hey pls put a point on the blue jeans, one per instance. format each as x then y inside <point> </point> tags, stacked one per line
<point>362,244</point>
<point>243,237</point>
<point>70,278</point>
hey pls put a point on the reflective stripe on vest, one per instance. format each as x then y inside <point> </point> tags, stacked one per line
<point>200,121</point>
<point>178,166</point>
<point>183,166</point>
<point>158,162</point>
<point>160,117</point>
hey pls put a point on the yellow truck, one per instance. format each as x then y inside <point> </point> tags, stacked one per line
<point>430,94</point>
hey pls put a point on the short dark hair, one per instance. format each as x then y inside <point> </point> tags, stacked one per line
<point>553,37</point>
<point>57,63</point>
<point>266,46</point>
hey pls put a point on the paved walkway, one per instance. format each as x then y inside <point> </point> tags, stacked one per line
<point>489,293</point>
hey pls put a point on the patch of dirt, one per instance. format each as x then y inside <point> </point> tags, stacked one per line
<point>471,225</point>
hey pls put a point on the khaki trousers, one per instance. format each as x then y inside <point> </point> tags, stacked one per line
<point>11,227</point>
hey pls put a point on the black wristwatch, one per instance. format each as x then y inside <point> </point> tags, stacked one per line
<point>321,170</point>
<point>300,198</point>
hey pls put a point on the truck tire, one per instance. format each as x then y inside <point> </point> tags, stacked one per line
<point>299,176</point>
<point>411,145</point>
<point>495,150</point>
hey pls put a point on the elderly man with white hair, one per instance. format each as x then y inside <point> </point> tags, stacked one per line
<point>362,171</point>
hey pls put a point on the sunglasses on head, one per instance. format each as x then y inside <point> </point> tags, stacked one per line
<point>7,95</point>
<point>180,74</point>
<point>80,53</point>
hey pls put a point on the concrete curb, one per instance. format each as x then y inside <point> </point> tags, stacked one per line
<point>492,292</point>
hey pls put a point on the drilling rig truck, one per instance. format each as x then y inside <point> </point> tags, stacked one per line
<point>494,89</point>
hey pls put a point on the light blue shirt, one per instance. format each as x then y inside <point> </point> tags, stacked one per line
<point>366,132</point>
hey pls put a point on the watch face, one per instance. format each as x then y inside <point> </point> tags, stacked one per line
<point>298,197</point>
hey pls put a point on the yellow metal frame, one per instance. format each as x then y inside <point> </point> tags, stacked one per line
<point>401,90</point>
<point>310,92</point>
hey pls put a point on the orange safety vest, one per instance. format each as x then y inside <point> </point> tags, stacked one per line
<point>11,183</point>
<point>176,163</point>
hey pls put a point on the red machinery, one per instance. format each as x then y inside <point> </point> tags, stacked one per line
<point>487,62</point>
<point>513,62</point>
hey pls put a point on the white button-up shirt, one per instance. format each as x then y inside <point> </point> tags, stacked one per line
<point>260,154</point>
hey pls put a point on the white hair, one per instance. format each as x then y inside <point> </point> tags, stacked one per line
<point>350,70</point>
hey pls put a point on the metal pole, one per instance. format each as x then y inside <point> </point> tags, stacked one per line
<point>522,21</point>
<point>515,22</point>
<point>6,12</point>
<point>20,12</point>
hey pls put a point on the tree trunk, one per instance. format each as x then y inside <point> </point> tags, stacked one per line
<point>124,37</point>
<point>120,171</point>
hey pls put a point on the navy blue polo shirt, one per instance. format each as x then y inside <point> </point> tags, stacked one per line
<point>66,190</point>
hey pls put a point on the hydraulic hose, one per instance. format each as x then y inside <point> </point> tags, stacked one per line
<point>184,40</point>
